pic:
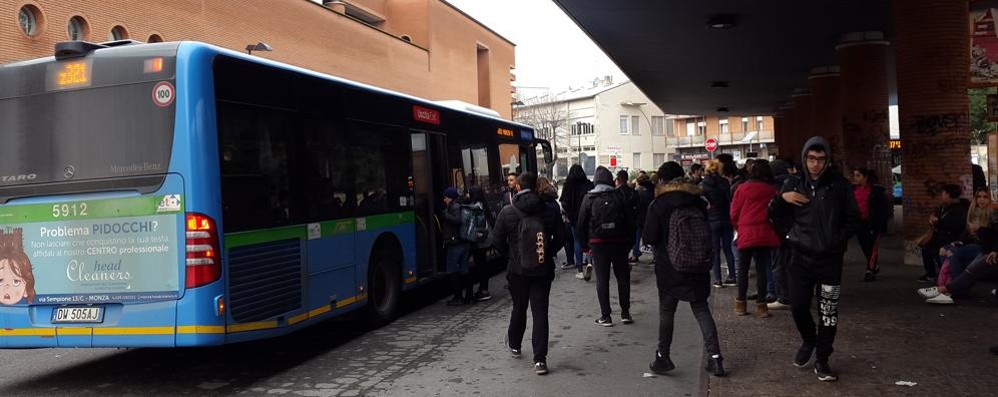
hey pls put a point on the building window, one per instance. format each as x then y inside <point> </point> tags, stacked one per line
<point>723,126</point>
<point>758,123</point>
<point>623,125</point>
<point>29,17</point>
<point>670,128</point>
<point>77,28</point>
<point>657,125</point>
<point>155,38</point>
<point>745,124</point>
<point>635,125</point>
<point>637,161</point>
<point>657,159</point>
<point>118,33</point>
<point>702,128</point>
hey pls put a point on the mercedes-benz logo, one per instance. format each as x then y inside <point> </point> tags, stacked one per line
<point>69,172</point>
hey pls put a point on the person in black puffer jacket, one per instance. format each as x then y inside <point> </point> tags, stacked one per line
<point>529,287</point>
<point>674,286</point>
<point>820,214</point>
<point>717,191</point>
<point>576,188</point>
<point>646,193</point>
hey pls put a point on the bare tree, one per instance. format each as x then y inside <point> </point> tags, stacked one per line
<point>550,119</point>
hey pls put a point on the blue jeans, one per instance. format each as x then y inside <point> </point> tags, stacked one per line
<point>457,258</point>
<point>962,256</point>
<point>770,282</point>
<point>721,236</point>
<point>636,250</point>
<point>578,249</point>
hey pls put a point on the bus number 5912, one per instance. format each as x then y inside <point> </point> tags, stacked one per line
<point>66,210</point>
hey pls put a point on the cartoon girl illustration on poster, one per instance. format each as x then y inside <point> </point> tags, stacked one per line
<point>17,282</point>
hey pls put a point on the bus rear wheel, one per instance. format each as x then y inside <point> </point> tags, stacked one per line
<point>384,288</point>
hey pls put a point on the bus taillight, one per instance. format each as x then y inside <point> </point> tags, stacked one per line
<point>203,256</point>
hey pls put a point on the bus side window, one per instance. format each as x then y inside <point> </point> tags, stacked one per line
<point>254,167</point>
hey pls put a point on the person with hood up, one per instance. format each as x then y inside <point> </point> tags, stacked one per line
<point>529,277</point>
<point>756,237</point>
<point>820,214</point>
<point>717,191</point>
<point>606,226</point>
<point>646,193</point>
<point>781,256</point>
<point>575,189</point>
<point>674,286</point>
<point>458,250</point>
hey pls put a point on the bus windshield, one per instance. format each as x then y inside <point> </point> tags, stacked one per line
<point>74,137</point>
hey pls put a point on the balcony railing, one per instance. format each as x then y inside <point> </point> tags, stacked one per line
<point>734,138</point>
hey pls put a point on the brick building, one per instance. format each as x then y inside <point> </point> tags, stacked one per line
<point>426,48</point>
<point>737,135</point>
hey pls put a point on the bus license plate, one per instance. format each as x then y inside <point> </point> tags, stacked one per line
<point>78,315</point>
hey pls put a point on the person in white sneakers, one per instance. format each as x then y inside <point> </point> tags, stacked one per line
<point>985,266</point>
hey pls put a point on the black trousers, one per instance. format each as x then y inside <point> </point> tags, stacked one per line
<point>605,257</point>
<point>533,292</point>
<point>869,241</point>
<point>821,277</point>
<point>481,271</point>
<point>781,272</point>
<point>762,258</point>
<point>666,322</point>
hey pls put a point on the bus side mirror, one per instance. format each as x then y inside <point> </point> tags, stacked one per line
<point>548,153</point>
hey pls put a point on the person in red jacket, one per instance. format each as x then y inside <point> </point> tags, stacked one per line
<point>756,237</point>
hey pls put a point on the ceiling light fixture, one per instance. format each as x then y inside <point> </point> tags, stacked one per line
<point>719,84</point>
<point>723,109</point>
<point>721,21</point>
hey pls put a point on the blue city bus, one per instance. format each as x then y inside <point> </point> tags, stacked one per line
<point>182,194</point>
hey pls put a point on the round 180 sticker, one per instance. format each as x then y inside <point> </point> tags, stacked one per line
<point>163,93</point>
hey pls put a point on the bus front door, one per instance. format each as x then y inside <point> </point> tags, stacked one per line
<point>430,175</point>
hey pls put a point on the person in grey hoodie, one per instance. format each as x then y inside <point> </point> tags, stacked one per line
<point>819,213</point>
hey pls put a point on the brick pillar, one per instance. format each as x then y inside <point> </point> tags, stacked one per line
<point>803,121</point>
<point>780,131</point>
<point>866,132</point>
<point>931,39</point>
<point>827,100</point>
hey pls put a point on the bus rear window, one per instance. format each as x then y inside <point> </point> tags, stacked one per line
<point>67,140</point>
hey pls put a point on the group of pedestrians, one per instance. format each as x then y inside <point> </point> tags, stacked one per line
<point>802,223</point>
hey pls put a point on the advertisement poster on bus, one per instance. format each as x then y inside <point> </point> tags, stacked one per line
<point>84,252</point>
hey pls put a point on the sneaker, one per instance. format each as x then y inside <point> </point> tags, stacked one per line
<point>870,276</point>
<point>803,355</point>
<point>929,293</point>
<point>714,366</point>
<point>604,321</point>
<point>730,282</point>
<point>771,298</point>
<point>941,299</point>
<point>541,368</point>
<point>662,364</point>
<point>588,275</point>
<point>482,296</point>
<point>824,372</point>
<point>580,276</point>
<point>625,318</point>
<point>718,284</point>
<point>566,266</point>
<point>927,279</point>
<point>778,305</point>
<point>455,302</point>
<point>515,352</point>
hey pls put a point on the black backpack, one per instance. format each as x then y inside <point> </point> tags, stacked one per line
<point>533,241</point>
<point>689,240</point>
<point>474,227</point>
<point>607,215</point>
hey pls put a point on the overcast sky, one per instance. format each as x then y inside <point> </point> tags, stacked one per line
<point>551,51</point>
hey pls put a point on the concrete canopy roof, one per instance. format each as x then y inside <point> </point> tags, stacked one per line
<point>666,48</point>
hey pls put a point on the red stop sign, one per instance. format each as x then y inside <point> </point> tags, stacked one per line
<point>711,144</point>
<point>613,161</point>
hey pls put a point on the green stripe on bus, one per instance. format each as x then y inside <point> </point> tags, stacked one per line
<point>234,240</point>
<point>389,220</point>
<point>84,209</point>
<point>337,228</point>
<point>329,229</point>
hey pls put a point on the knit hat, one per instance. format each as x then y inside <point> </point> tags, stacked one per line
<point>451,193</point>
